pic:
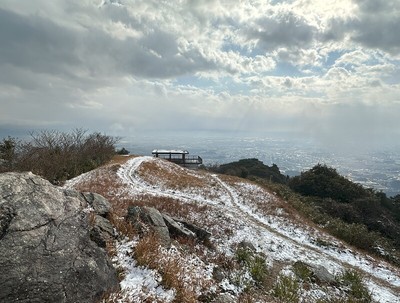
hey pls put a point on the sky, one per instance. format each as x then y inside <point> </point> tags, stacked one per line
<point>324,69</point>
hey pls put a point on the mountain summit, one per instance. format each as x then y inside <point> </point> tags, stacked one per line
<point>260,249</point>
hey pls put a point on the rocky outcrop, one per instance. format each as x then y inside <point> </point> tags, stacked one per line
<point>46,254</point>
<point>164,226</point>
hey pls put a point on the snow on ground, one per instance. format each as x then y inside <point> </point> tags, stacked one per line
<point>236,206</point>
<point>139,283</point>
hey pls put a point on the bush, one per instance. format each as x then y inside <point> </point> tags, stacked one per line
<point>254,263</point>
<point>356,288</point>
<point>286,289</point>
<point>324,182</point>
<point>250,168</point>
<point>324,212</point>
<point>123,151</point>
<point>8,151</point>
<point>59,156</point>
<point>354,234</point>
<point>302,271</point>
<point>258,270</point>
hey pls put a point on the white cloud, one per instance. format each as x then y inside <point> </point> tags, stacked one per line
<point>131,64</point>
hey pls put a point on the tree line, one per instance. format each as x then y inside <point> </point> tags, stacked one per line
<point>57,156</point>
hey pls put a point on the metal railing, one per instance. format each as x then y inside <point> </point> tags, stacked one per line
<point>182,161</point>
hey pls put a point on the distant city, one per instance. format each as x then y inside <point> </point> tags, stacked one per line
<point>378,169</point>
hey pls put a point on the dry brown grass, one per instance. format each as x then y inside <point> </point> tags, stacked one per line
<point>122,226</point>
<point>171,175</point>
<point>148,252</point>
<point>103,181</point>
<point>170,206</point>
<point>227,263</point>
<point>118,297</point>
<point>120,159</point>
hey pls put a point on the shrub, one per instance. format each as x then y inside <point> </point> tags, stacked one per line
<point>354,234</point>
<point>324,182</point>
<point>58,156</point>
<point>247,168</point>
<point>258,270</point>
<point>243,255</point>
<point>355,286</point>
<point>123,151</point>
<point>254,263</point>
<point>302,271</point>
<point>286,289</point>
<point>8,152</point>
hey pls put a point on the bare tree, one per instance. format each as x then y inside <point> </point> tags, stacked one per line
<point>58,156</point>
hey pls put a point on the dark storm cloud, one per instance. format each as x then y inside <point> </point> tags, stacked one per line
<point>282,30</point>
<point>335,30</point>
<point>35,43</point>
<point>378,25</point>
<point>38,44</point>
<point>375,25</point>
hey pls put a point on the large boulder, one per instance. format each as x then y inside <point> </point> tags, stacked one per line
<point>46,254</point>
<point>142,217</point>
<point>201,234</point>
<point>164,226</point>
<point>100,205</point>
<point>177,229</point>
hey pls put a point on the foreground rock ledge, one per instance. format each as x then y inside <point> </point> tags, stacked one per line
<point>46,254</point>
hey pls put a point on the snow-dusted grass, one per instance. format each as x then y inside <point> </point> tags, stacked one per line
<point>233,210</point>
<point>139,284</point>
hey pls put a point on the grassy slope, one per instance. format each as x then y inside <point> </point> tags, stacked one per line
<point>226,216</point>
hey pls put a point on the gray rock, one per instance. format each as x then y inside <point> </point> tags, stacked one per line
<point>159,226</point>
<point>247,245</point>
<point>224,298</point>
<point>137,217</point>
<point>102,231</point>
<point>100,205</point>
<point>143,218</point>
<point>323,275</point>
<point>218,274</point>
<point>163,225</point>
<point>176,229</point>
<point>316,273</point>
<point>201,233</point>
<point>135,213</point>
<point>46,254</point>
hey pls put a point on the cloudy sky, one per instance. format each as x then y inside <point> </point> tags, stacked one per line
<point>329,69</point>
